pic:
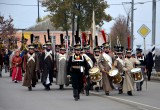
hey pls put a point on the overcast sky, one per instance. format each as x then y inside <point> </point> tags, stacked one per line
<point>25,16</point>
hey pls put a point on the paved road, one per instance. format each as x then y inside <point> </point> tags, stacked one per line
<point>13,96</point>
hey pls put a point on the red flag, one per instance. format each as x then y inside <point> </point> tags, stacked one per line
<point>104,36</point>
<point>84,38</point>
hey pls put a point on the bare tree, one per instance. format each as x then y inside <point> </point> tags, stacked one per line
<point>6,28</point>
<point>121,30</point>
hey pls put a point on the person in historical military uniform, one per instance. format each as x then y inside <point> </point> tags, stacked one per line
<point>141,59</point>
<point>11,45</point>
<point>24,45</point>
<point>128,84</point>
<point>61,67</point>
<point>36,42</point>
<point>119,64</point>
<point>105,65</point>
<point>90,61</point>
<point>38,53</point>
<point>77,66</point>
<point>31,66</point>
<point>47,66</point>
<point>97,84</point>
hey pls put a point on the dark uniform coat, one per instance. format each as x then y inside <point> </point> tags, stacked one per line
<point>47,67</point>
<point>74,68</point>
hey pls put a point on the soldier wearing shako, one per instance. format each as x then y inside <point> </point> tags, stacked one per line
<point>11,46</point>
<point>38,53</point>
<point>77,66</point>
<point>141,65</point>
<point>105,63</point>
<point>31,66</point>
<point>61,67</point>
<point>24,45</point>
<point>36,42</point>
<point>128,80</point>
<point>97,53</point>
<point>119,64</point>
<point>47,66</point>
<point>90,61</point>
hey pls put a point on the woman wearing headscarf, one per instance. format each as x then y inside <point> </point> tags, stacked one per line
<point>17,67</point>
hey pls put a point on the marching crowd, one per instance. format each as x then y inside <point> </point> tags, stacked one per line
<point>85,70</point>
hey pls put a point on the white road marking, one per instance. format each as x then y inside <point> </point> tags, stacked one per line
<point>115,98</point>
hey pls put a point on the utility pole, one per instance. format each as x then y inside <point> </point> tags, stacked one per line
<point>153,29</point>
<point>38,11</point>
<point>132,23</point>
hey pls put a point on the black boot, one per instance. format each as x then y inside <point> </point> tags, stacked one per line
<point>15,81</point>
<point>47,87</point>
<point>107,93</point>
<point>87,92</point>
<point>33,85</point>
<point>78,96</point>
<point>10,73</point>
<point>30,88</point>
<point>120,91</point>
<point>61,87</point>
<point>0,75</point>
<point>97,89</point>
<point>75,94</point>
<point>129,93</point>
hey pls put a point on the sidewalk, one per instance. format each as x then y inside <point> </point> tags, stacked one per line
<point>156,76</point>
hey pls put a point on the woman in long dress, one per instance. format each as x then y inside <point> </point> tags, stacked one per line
<point>17,67</point>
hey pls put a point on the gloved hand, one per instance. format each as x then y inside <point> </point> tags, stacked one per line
<point>68,76</point>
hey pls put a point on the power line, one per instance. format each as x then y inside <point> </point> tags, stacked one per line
<point>126,3</point>
<point>123,3</point>
<point>17,4</point>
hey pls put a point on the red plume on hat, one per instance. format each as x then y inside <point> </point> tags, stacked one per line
<point>104,36</point>
<point>84,38</point>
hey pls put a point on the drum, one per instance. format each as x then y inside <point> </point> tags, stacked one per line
<point>136,74</point>
<point>95,74</point>
<point>94,70</point>
<point>115,75</point>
